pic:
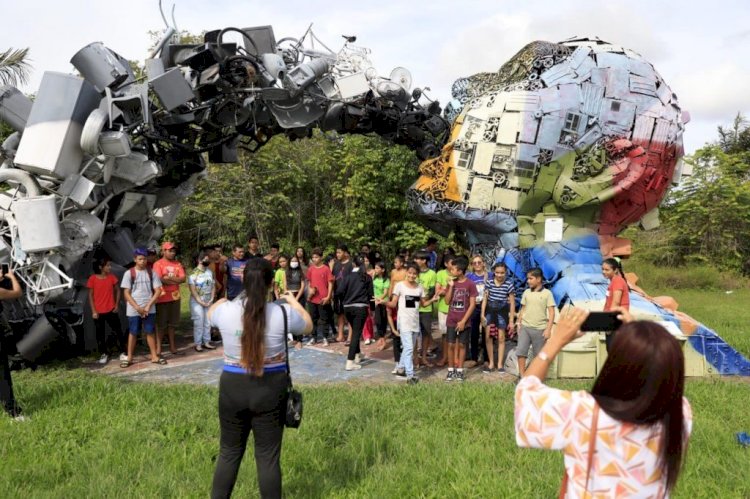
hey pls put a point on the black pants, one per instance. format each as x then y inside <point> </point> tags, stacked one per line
<point>112,319</point>
<point>380,318</point>
<point>7,400</point>
<point>356,317</point>
<point>321,313</point>
<point>250,403</point>
<point>476,340</point>
<point>397,348</point>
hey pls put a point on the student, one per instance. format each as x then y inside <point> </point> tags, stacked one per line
<point>235,267</point>
<point>341,267</point>
<point>478,275</point>
<point>356,293</point>
<point>441,288</point>
<point>618,292</point>
<point>499,310</point>
<point>104,295</point>
<point>279,285</point>
<point>431,249</point>
<point>274,255</point>
<point>301,255</point>
<point>427,279</point>
<point>462,296</point>
<point>319,294</point>
<point>294,279</point>
<point>408,295</point>
<point>380,284</point>
<point>202,293</point>
<point>535,318</point>
<point>171,273</point>
<point>141,288</point>
<point>218,267</point>
<point>253,250</point>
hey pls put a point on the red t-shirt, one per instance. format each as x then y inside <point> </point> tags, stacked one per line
<point>617,284</point>
<point>104,297</point>
<point>319,277</point>
<point>172,268</point>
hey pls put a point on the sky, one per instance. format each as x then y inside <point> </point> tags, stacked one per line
<point>700,48</point>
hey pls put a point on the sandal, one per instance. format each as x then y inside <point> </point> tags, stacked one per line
<point>177,352</point>
<point>125,363</point>
<point>161,361</point>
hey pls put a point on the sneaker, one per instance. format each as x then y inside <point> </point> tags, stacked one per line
<point>460,376</point>
<point>488,370</point>
<point>451,376</point>
<point>412,381</point>
<point>368,342</point>
<point>400,373</point>
<point>123,356</point>
<point>359,358</point>
<point>310,342</point>
<point>500,370</point>
<point>209,346</point>
<point>325,342</point>
<point>104,358</point>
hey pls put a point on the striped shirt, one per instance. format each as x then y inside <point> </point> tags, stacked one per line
<point>499,293</point>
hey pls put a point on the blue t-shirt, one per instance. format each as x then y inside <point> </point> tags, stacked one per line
<point>235,269</point>
<point>478,280</point>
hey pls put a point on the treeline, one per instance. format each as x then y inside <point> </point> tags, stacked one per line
<point>317,191</point>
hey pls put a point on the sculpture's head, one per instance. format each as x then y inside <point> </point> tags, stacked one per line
<point>580,130</point>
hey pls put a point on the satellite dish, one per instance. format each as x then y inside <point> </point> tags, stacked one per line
<point>402,76</point>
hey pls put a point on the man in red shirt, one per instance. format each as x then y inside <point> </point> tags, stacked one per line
<point>172,274</point>
<point>319,294</point>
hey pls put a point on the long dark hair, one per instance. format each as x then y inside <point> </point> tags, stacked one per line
<point>642,382</point>
<point>256,281</point>
<point>359,261</point>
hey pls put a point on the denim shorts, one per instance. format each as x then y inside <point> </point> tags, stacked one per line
<point>495,318</point>
<point>135,323</point>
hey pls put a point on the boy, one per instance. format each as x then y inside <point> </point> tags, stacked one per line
<point>141,288</point>
<point>235,268</point>
<point>441,288</point>
<point>319,294</point>
<point>342,267</point>
<point>462,297</point>
<point>408,296</point>
<point>171,273</point>
<point>535,318</point>
<point>499,300</point>
<point>427,279</point>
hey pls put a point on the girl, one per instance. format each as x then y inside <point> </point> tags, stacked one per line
<point>301,255</point>
<point>356,294</point>
<point>498,309</point>
<point>294,279</point>
<point>104,295</point>
<point>279,285</point>
<point>202,286</point>
<point>398,274</point>
<point>617,292</point>
<point>380,284</point>
<point>369,329</point>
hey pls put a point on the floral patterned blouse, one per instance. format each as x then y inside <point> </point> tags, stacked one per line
<point>625,459</point>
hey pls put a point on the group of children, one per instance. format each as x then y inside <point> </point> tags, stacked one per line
<point>403,300</point>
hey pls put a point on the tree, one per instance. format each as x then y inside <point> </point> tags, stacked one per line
<point>14,67</point>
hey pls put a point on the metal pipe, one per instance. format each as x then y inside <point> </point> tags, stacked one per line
<point>25,179</point>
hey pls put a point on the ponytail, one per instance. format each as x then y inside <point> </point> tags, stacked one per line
<point>257,279</point>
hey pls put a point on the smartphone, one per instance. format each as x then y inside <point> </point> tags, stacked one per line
<point>4,268</point>
<point>601,321</point>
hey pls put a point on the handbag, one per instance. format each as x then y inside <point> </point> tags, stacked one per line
<point>592,442</point>
<point>293,412</point>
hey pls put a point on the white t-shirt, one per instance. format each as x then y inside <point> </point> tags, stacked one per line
<point>141,291</point>
<point>227,317</point>
<point>408,306</point>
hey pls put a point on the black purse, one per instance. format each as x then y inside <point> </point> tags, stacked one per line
<point>293,413</point>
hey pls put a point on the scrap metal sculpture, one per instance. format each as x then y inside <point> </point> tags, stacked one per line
<point>546,160</point>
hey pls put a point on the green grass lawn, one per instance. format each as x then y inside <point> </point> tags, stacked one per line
<point>93,436</point>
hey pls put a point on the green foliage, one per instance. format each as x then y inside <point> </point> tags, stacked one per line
<point>317,191</point>
<point>98,436</point>
<point>14,66</point>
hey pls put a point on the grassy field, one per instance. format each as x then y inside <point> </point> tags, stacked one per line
<point>91,436</point>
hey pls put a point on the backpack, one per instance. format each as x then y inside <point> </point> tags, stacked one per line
<point>150,278</point>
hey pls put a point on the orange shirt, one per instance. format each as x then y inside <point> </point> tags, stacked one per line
<point>168,268</point>
<point>617,284</point>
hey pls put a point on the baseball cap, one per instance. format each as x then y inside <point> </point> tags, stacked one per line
<point>140,252</point>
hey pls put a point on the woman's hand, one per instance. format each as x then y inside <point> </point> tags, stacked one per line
<point>569,326</point>
<point>624,314</point>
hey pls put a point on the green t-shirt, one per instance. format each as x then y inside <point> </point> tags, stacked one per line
<point>427,279</point>
<point>442,278</point>
<point>279,279</point>
<point>380,286</point>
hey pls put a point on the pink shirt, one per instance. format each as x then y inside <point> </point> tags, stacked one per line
<point>625,462</point>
